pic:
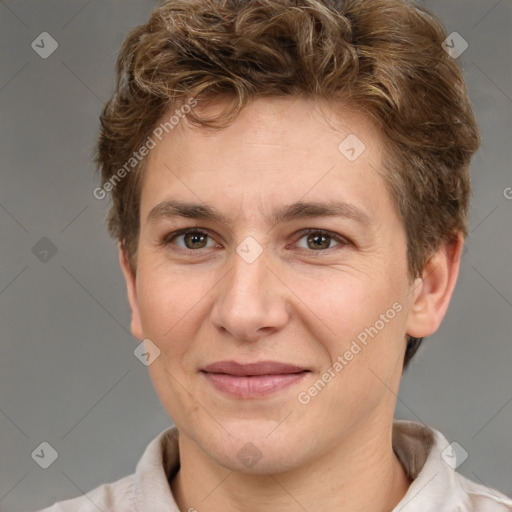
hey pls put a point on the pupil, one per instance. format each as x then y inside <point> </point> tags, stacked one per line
<point>194,239</point>
<point>319,241</point>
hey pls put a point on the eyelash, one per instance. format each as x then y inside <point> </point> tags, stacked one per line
<point>341,240</point>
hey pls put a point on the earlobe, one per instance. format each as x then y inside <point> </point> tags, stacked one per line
<point>432,292</point>
<point>131,288</point>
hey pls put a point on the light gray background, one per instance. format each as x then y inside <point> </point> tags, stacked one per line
<point>68,375</point>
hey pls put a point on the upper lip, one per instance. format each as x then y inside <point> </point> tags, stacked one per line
<point>250,369</point>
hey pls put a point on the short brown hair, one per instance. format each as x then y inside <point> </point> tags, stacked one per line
<point>384,56</point>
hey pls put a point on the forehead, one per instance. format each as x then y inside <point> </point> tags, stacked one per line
<point>278,150</point>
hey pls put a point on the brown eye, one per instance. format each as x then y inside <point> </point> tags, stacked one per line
<point>195,240</point>
<point>318,241</point>
<point>189,239</point>
<point>321,241</point>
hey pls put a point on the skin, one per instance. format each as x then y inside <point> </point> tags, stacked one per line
<point>294,304</point>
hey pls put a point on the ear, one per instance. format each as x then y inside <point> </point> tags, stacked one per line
<point>131,286</point>
<point>433,290</point>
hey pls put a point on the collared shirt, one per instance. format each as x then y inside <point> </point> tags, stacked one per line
<point>425,454</point>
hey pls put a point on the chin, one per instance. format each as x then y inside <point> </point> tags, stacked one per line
<point>253,450</point>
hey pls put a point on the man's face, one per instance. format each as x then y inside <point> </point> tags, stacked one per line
<point>307,290</point>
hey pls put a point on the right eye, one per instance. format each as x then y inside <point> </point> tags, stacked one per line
<point>192,239</point>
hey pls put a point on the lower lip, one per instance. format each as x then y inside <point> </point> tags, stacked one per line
<point>257,386</point>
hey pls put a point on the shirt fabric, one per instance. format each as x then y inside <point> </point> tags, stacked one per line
<point>436,486</point>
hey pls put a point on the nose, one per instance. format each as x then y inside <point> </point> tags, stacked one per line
<point>252,301</point>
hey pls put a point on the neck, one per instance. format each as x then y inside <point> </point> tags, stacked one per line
<point>342,479</point>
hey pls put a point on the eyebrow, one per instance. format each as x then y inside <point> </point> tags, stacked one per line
<point>300,210</point>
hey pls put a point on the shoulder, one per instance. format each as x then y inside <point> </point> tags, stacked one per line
<point>480,498</point>
<point>115,496</point>
<point>430,462</point>
<point>145,489</point>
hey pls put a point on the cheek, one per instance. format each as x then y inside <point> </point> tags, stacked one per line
<point>344,303</point>
<point>169,308</point>
<point>362,319</point>
<point>364,344</point>
<point>169,304</point>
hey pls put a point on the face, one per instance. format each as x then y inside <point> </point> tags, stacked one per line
<point>281,313</point>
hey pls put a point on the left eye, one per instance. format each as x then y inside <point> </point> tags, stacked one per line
<point>319,240</point>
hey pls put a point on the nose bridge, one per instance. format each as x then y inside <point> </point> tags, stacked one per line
<point>248,281</point>
<point>250,301</point>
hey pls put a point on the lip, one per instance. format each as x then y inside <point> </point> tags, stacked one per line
<point>252,369</point>
<point>252,380</point>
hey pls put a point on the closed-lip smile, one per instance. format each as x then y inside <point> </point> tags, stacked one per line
<point>252,380</point>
